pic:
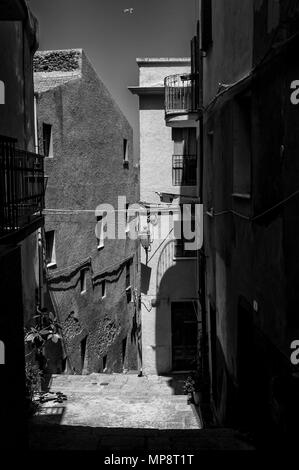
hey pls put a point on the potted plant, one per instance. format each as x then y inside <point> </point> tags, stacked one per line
<point>46,328</point>
<point>192,388</point>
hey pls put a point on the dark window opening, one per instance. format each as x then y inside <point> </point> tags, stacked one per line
<point>125,153</point>
<point>103,289</point>
<point>242,146</point>
<point>83,283</point>
<point>104,363</point>
<point>48,140</point>
<point>184,160</point>
<point>206,25</point>
<point>124,348</point>
<point>50,248</point>
<point>128,275</point>
<point>128,282</point>
<point>83,351</point>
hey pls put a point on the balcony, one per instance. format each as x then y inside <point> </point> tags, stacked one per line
<point>22,187</point>
<point>181,100</point>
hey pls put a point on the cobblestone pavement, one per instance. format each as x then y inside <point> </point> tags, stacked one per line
<point>124,412</point>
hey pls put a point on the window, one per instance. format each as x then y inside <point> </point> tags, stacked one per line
<point>180,228</point>
<point>184,169</point>
<point>127,219</point>
<point>100,231</point>
<point>50,249</point>
<point>83,284</point>
<point>103,289</point>
<point>124,349</point>
<point>83,352</point>
<point>125,153</point>
<point>184,160</point>
<point>128,282</point>
<point>206,25</point>
<point>48,140</point>
<point>242,147</point>
<point>104,363</point>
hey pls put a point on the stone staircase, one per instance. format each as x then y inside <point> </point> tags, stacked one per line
<point>125,413</point>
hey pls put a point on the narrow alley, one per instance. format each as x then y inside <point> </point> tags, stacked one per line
<point>149,226</point>
<point>125,413</point>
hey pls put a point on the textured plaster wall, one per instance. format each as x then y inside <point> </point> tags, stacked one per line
<point>87,170</point>
<point>253,262</point>
<point>154,71</point>
<point>231,56</point>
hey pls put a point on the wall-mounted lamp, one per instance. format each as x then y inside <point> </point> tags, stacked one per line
<point>145,240</point>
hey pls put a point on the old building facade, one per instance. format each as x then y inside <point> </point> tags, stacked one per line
<point>92,281</point>
<point>250,196</point>
<point>21,206</point>
<point>170,311</point>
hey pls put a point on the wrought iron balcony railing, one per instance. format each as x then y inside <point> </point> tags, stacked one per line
<point>22,186</point>
<point>181,94</point>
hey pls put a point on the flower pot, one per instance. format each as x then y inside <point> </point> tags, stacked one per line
<point>197,398</point>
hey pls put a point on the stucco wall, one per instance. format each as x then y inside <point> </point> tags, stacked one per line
<point>231,56</point>
<point>87,170</point>
<point>163,279</point>
<point>252,265</point>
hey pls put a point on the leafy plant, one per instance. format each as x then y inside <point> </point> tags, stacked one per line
<point>193,383</point>
<point>45,329</point>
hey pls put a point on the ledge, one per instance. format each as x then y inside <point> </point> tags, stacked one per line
<point>140,90</point>
<point>245,196</point>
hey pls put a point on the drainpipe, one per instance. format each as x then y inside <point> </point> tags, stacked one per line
<point>202,267</point>
<point>35,124</point>
<point>202,286</point>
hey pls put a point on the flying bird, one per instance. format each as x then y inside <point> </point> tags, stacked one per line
<point>129,10</point>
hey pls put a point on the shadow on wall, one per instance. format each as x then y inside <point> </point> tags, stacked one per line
<point>176,326</point>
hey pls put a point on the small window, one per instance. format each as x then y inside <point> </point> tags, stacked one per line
<point>127,219</point>
<point>128,275</point>
<point>124,349</point>
<point>179,248</point>
<point>125,152</point>
<point>128,282</point>
<point>104,363</point>
<point>83,281</point>
<point>184,170</point>
<point>48,140</point>
<point>100,231</point>
<point>184,160</point>
<point>103,289</point>
<point>242,147</point>
<point>50,249</point>
<point>83,352</point>
<point>206,25</point>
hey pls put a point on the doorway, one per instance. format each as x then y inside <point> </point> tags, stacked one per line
<point>184,336</point>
